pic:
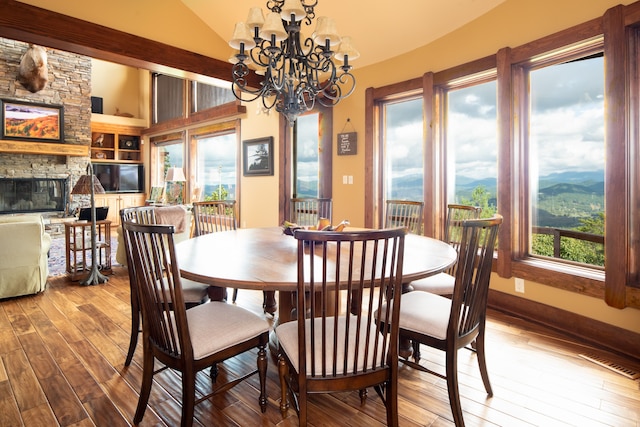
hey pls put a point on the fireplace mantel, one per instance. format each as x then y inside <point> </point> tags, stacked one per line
<point>51,148</point>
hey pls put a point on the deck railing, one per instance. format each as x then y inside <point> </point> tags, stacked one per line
<point>559,233</point>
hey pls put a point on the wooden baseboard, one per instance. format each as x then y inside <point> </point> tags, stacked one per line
<point>587,330</point>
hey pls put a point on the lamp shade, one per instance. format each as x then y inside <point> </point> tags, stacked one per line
<point>84,184</point>
<point>273,27</point>
<point>175,175</point>
<point>255,18</point>
<point>242,34</point>
<point>346,49</point>
<point>326,30</point>
<point>293,7</point>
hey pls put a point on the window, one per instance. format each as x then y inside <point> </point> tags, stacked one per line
<point>190,139</point>
<point>565,160</point>
<point>216,169</point>
<point>170,154</point>
<point>472,151</point>
<point>402,141</point>
<point>563,143</point>
<point>204,96</point>
<point>306,168</point>
<point>309,146</point>
<point>168,98</point>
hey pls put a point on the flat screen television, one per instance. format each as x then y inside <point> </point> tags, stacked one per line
<point>119,177</point>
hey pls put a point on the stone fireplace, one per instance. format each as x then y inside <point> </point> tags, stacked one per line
<point>39,176</point>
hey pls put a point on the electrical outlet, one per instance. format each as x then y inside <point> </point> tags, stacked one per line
<point>520,285</point>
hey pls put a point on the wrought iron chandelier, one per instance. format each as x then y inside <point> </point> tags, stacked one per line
<point>298,70</point>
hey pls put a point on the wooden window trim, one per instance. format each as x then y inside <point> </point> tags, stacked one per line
<point>622,245</point>
<point>285,159</point>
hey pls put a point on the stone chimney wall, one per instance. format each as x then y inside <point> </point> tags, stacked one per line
<point>69,85</point>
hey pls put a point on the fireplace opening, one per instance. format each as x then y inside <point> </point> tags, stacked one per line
<point>23,195</point>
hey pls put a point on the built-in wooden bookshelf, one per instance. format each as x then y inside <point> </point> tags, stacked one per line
<point>115,143</point>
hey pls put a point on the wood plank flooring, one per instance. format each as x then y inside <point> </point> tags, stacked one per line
<point>62,355</point>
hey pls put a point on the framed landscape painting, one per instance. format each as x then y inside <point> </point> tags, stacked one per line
<point>29,121</point>
<point>258,156</point>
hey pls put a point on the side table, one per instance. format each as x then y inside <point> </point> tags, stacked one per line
<point>78,248</point>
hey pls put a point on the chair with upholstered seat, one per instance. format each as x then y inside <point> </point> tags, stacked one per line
<point>181,339</point>
<point>194,293</point>
<point>213,216</point>
<point>449,324</point>
<point>404,213</point>
<point>329,347</point>
<point>442,283</point>
<point>307,211</point>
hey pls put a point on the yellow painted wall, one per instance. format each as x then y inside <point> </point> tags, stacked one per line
<point>259,200</point>
<point>119,88</point>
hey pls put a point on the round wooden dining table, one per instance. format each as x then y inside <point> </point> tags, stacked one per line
<point>266,259</point>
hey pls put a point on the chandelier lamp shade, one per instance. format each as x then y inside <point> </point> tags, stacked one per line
<point>298,70</point>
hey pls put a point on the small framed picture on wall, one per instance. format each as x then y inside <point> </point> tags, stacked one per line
<point>258,156</point>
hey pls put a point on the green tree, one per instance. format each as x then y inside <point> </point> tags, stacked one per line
<point>220,194</point>
<point>480,197</point>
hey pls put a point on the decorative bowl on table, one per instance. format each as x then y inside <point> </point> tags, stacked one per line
<point>324,224</point>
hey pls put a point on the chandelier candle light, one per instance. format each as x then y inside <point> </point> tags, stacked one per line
<point>297,70</point>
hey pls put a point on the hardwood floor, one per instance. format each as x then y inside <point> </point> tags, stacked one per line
<point>63,350</point>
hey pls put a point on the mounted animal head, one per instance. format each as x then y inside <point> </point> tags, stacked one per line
<point>33,72</point>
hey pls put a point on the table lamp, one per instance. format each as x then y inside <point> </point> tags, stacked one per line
<point>89,184</point>
<point>175,176</point>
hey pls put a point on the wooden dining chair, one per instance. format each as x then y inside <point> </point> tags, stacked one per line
<point>449,324</point>
<point>213,216</point>
<point>307,211</point>
<point>442,283</point>
<point>182,339</point>
<point>194,293</point>
<point>404,213</point>
<point>328,347</point>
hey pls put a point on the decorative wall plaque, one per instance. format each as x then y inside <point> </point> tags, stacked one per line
<point>347,143</point>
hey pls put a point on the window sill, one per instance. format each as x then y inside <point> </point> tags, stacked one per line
<point>582,280</point>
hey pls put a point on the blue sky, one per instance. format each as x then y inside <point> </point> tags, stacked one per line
<point>567,124</point>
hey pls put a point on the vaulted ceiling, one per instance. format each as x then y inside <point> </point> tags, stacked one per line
<point>379,29</point>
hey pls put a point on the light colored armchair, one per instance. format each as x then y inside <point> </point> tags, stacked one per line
<point>23,255</point>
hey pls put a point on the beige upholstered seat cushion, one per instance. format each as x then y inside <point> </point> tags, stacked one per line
<point>439,284</point>
<point>287,334</point>
<point>425,313</point>
<point>193,292</point>
<point>215,326</point>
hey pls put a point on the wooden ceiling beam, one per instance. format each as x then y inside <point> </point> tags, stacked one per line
<point>30,24</point>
